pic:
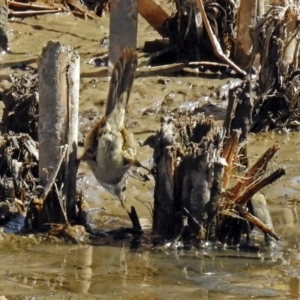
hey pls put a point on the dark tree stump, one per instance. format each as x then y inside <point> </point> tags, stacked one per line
<point>189,174</point>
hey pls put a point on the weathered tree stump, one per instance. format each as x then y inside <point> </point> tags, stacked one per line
<point>193,196</point>
<point>189,174</point>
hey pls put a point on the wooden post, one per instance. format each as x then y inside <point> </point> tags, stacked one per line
<point>3,26</point>
<point>247,18</point>
<point>123,28</point>
<point>58,124</point>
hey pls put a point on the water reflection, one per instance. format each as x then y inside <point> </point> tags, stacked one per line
<point>110,271</point>
<point>83,269</point>
<point>30,267</point>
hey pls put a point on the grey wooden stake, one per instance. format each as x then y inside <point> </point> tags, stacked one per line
<point>3,26</point>
<point>123,28</point>
<point>59,73</point>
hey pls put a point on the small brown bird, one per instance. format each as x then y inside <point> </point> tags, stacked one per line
<point>110,149</point>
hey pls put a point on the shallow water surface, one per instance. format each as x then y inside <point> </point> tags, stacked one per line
<point>56,271</point>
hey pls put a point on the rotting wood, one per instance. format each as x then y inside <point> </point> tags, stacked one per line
<point>184,169</point>
<point>193,196</point>
<point>54,172</point>
<point>58,113</point>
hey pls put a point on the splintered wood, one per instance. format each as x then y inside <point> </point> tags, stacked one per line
<point>195,166</point>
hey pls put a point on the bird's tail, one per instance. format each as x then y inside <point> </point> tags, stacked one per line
<point>121,81</point>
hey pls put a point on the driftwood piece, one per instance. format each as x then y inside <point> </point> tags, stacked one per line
<point>257,222</point>
<point>58,123</point>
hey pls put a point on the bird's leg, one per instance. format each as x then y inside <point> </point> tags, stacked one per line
<point>135,163</point>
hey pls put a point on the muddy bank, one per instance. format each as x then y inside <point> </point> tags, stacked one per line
<point>60,270</point>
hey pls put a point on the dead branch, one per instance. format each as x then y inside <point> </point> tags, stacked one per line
<point>30,13</point>
<point>158,70</point>
<point>251,191</point>
<point>257,170</point>
<point>30,5</point>
<point>214,42</point>
<point>257,222</point>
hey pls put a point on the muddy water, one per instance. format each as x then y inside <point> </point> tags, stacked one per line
<point>34,268</point>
